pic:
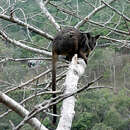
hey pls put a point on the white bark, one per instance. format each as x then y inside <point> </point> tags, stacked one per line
<point>34,122</point>
<point>19,44</point>
<point>76,69</point>
<point>48,15</point>
<point>30,27</point>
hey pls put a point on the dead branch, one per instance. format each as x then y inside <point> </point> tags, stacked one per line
<point>76,69</point>
<point>46,104</point>
<point>82,22</point>
<point>123,42</point>
<point>19,44</point>
<point>73,13</point>
<point>88,20</point>
<point>115,10</point>
<point>48,15</point>
<point>32,80</point>
<point>4,60</point>
<point>107,27</point>
<point>30,27</point>
<point>35,123</point>
<point>37,94</point>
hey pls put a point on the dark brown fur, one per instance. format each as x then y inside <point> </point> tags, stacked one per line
<point>68,42</point>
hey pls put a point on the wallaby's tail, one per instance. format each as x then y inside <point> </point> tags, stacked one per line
<point>54,60</point>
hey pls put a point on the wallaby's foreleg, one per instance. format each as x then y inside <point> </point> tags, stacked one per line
<point>83,55</point>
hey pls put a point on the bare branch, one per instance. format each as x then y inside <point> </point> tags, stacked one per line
<point>35,123</point>
<point>32,80</point>
<point>79,24</point>
<point>107,27</point>
<point>38,94</point>
<point>52,101</point>
<point>90,21</point>
<point>22,59</point>
<point>90,4</point>
<point>46,104</point>
<point>48,15</point>
<point>73,13</point>
<point>17,43</point>
<point>30,27</point>
<point>115,10</point>
<point>98,87</point>
<point>127,26</point>
<point>126,42</point>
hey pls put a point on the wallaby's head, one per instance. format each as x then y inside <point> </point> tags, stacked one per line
<point>90,40</point>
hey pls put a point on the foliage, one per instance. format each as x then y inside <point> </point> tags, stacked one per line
<point>101,126</point>
<point>102,110</point>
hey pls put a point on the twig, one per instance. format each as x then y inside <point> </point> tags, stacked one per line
<point>48,15</point>
<point>115,10</point>
<point>22,59</point>
<point>104,26</point>
<point>79,24</point>
<point>19,44</point>
<point>37,94</point>
<point>48,103</point>
<point>115,40</point>
<point>90,4</point>
<point>32,80</point>
<point>88,20</point>
<point>63,9</point>
<point>19,109</point>
<point>30,27</point>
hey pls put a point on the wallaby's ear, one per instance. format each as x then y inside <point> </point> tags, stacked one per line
<point>97,36</point>
<point>88,35</point>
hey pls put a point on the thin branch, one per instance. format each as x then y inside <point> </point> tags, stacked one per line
<point>48,103</point>
<point>82,22</point>
<point>30,27</point>
<point>22,59</point>
<point>12,124</point>
<point>118,23</point>
<point>5,82</point>
<point>127,26</point>
<point>90,21</point>
<point>48,15</point>
<point>37,94</point>
<point>90,4</point>
<point>32,80</point>
<point>115,40</point>
<point>115,10</point>
<point>19,44</point>
<point>104,26</point>
<point>98,87</point>
<point>63,9</point>
<point>9,102</point>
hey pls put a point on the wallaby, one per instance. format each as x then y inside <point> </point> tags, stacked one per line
<point>68,42</point>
